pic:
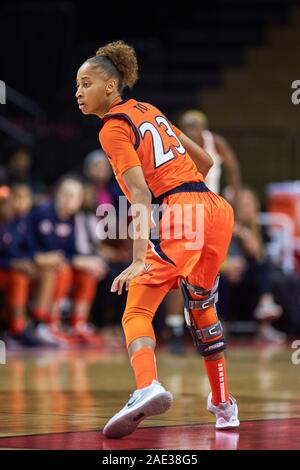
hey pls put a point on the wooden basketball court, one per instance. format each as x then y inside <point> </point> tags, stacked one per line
<point>62,399</point>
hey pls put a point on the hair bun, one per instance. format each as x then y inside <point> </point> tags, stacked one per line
<point>124,59</point>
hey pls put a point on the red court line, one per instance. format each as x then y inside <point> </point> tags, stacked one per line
<point>261,435</point>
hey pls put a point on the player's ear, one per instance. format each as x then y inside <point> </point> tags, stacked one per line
<point>111,85</point>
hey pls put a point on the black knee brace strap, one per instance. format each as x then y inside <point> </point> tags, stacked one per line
<point>204,337</point>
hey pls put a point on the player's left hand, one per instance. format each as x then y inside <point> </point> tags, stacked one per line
<point>126,276</point>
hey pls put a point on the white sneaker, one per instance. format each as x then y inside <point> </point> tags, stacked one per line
<point>226,413</point>
<point>268,310</point>
<point>268,333</point>
<point>144,402</point>
<point>44,334</point>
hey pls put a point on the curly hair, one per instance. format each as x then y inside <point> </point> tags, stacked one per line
<point>117,59</point>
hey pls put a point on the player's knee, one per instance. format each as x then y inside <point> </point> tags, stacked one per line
<point>209,341</point>
<point>208,335</point>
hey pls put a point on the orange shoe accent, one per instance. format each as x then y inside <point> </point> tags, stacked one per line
<point>17,325</point>
<point>144,365</point>
<point>53,319</point>
<point>86,335</point>
<point>39,314</point>
<point>76,321</point>
<point>58,333</point>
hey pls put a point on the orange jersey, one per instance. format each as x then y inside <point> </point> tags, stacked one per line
<point>138,134</point>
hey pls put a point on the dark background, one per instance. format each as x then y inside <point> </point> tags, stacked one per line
<point>183,51</point>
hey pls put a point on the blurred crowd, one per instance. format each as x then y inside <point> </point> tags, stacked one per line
<point>54,269</point>
<point>56,272</point>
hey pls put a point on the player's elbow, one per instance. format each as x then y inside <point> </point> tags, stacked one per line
<point>206,165</point>
<point>210,162</point>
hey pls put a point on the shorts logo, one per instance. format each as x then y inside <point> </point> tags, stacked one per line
<point>147,267</point>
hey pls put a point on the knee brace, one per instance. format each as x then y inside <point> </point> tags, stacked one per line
<point>207,340</point>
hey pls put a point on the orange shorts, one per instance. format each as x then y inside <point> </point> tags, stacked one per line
<point>193,235</point>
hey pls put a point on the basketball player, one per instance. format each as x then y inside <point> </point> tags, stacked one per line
<point>154,162</point>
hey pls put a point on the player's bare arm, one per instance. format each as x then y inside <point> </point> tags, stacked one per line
<point>141,196</point>
<point>202,159</point>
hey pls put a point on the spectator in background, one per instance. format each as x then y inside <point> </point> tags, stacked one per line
<point>54,226</point>
<point>18,163</point>
<point>246,273</point>
<point>102,188</point>
<point>99,172</point>
<point>17,269</point>
<point>45,264</point>
<point>118,255</point>
<point>195,125</point>
<point>86,221</point>
<point>13,284</point>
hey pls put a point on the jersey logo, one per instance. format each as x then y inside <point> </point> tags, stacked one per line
<point>147,266</point>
